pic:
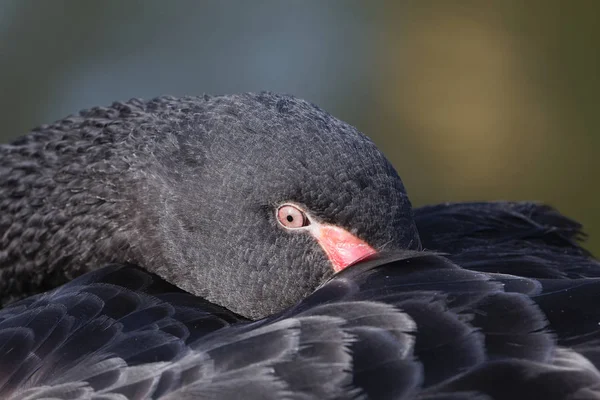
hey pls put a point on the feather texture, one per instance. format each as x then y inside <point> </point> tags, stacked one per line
<point>508,310</point>
<point>409,325</point>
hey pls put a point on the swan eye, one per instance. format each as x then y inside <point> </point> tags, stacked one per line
<point>292,217</point>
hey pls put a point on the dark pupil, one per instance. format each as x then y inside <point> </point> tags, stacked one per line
<point>290,218</point>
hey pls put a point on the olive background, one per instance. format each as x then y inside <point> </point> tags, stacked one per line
<point>471,100</point>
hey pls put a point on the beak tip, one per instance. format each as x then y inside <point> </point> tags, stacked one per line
<point>342,248</point>
<point>356,256</point>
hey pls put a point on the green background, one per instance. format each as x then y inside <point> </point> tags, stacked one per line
<point>477,100</point>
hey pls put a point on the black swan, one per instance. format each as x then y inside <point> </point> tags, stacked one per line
<point>255,247</point>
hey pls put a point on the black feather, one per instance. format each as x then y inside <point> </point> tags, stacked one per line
<point>470,300</point>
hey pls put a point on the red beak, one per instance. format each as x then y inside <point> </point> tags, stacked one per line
<point>342,248</point>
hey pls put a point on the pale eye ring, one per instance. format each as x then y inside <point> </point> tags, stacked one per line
<point>291,217</point>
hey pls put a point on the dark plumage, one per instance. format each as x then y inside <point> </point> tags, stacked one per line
<point>188,188</point>
<point>486,301</point>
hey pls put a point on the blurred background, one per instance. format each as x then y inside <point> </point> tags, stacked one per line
<point>470,100</point>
